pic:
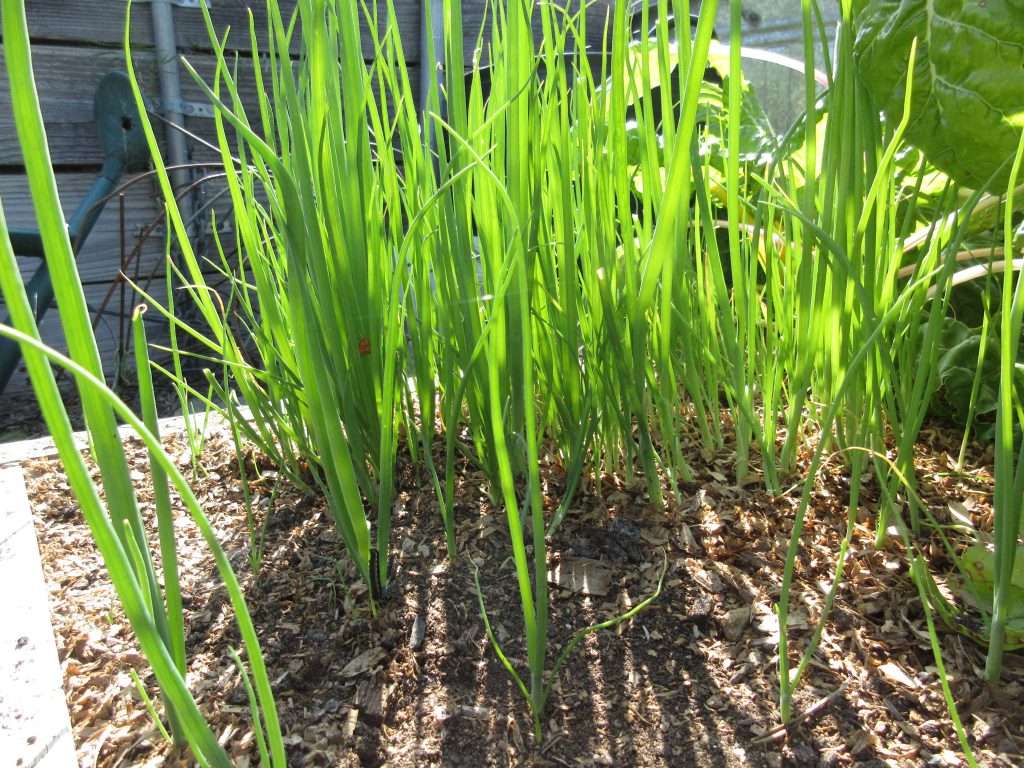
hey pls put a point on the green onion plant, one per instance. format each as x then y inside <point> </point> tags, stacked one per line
<point>1009,456</point>
<point>571,250</point>
<point>116,523</point>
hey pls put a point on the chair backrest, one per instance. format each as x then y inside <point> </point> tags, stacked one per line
<point>117,121</point>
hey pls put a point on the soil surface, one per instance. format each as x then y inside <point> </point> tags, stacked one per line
<point>21,419</point>
<point>689,681</point>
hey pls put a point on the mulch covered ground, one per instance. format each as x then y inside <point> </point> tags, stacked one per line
<point>690,681</point>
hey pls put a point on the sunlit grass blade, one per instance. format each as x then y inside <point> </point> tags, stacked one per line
<point>1009,453</point>
<point>133,600</point>
<point>68,290</point>
<point>172,609</point>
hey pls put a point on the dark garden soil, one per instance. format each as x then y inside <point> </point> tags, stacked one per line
<point>689,681</point>
<point>21,419</point>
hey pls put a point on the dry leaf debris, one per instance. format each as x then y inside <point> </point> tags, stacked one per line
<point>688,682</point>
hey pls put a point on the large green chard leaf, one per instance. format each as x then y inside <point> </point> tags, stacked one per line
<point>979,565</point>
<point>968,85</point>
<point>959,347</point>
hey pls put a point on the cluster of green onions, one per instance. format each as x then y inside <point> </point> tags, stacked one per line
<point>152,605</point>
<point>537,264</point>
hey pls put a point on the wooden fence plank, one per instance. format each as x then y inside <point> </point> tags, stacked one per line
<point>102,24</point>
<point>67,75</point>
<point>68,111</point>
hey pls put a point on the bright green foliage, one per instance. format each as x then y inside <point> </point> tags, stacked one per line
<point>968,385</point>
<point>570,259</point>
<point>1008,526</point>
<point>571,265</point>
<point>979,565</point>
<point>967,109</point>
<point>114,517</point>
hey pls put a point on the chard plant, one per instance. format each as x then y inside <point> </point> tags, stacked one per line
<point>972,133</point>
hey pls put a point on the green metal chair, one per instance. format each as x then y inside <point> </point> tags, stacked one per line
<point>124,146</point>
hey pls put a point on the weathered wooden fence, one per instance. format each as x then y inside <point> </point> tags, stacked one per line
<point>76,42</point>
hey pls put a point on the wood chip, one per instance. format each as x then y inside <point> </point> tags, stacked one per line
<point>417,633</point>
<point>735,621</point>
<point>686,541</point>
<point>896,676</point>
<point>581,575</point>
<point>350,723</point>
<point>371,699</point>
<point>364,662</point>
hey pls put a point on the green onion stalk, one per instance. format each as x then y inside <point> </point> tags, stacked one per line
<point>116,523</point>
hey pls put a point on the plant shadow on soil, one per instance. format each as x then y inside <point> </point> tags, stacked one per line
<point>628,697</point>
<point>689,681</point>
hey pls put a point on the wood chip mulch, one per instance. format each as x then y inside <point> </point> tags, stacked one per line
<point>690,681</point>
